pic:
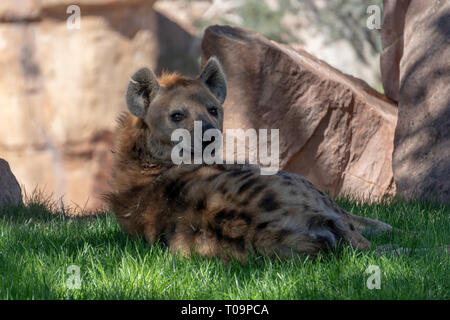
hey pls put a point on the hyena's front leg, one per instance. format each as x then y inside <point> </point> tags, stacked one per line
<point>372,226</point>
<point>369,226</point>
<point>375,227</point>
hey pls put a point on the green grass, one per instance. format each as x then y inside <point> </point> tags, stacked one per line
<point>37,247</point>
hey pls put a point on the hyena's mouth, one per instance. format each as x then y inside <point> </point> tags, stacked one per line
<point>204,145</point>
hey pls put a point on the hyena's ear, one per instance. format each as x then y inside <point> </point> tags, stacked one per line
<point>213,77</point>
<point>142,88</point>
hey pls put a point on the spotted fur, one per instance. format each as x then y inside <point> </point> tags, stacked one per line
<point>216,210</point>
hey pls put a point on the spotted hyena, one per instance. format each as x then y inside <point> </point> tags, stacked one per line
<point>214,210</point>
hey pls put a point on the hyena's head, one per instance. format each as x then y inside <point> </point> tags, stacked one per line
<point>175,102</point>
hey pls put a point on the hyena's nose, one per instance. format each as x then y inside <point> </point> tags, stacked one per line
<point>207,126</point>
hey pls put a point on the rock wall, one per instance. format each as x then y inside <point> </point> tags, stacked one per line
<point>416,58</point>
<point>61,89</point>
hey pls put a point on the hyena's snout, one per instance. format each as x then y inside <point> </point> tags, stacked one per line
<point>202,136</point>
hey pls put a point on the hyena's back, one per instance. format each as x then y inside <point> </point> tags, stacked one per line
<point>230,210</point>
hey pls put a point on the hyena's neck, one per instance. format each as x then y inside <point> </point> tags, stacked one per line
<point>133,165</point>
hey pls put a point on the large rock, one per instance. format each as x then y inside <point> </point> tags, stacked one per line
<point>179,49</point>
<point>334,129</point>
<point>421,159</point>
<point>10,192</point>
<point>61,89</point>
<point>315,26</point>
<point>394,12</point>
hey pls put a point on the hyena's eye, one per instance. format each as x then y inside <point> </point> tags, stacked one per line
<point>176,116</point>
<point>213,111</point>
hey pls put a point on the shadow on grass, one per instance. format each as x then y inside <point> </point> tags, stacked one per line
<point>39,228</point>
<point>35,235</point>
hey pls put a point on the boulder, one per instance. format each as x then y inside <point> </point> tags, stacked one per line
<point>179,49</point>
<point>10,192</point>
<point>421,159</point>
<point>61,89</point>
<point>333,128</point>
<point>394,12</point>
